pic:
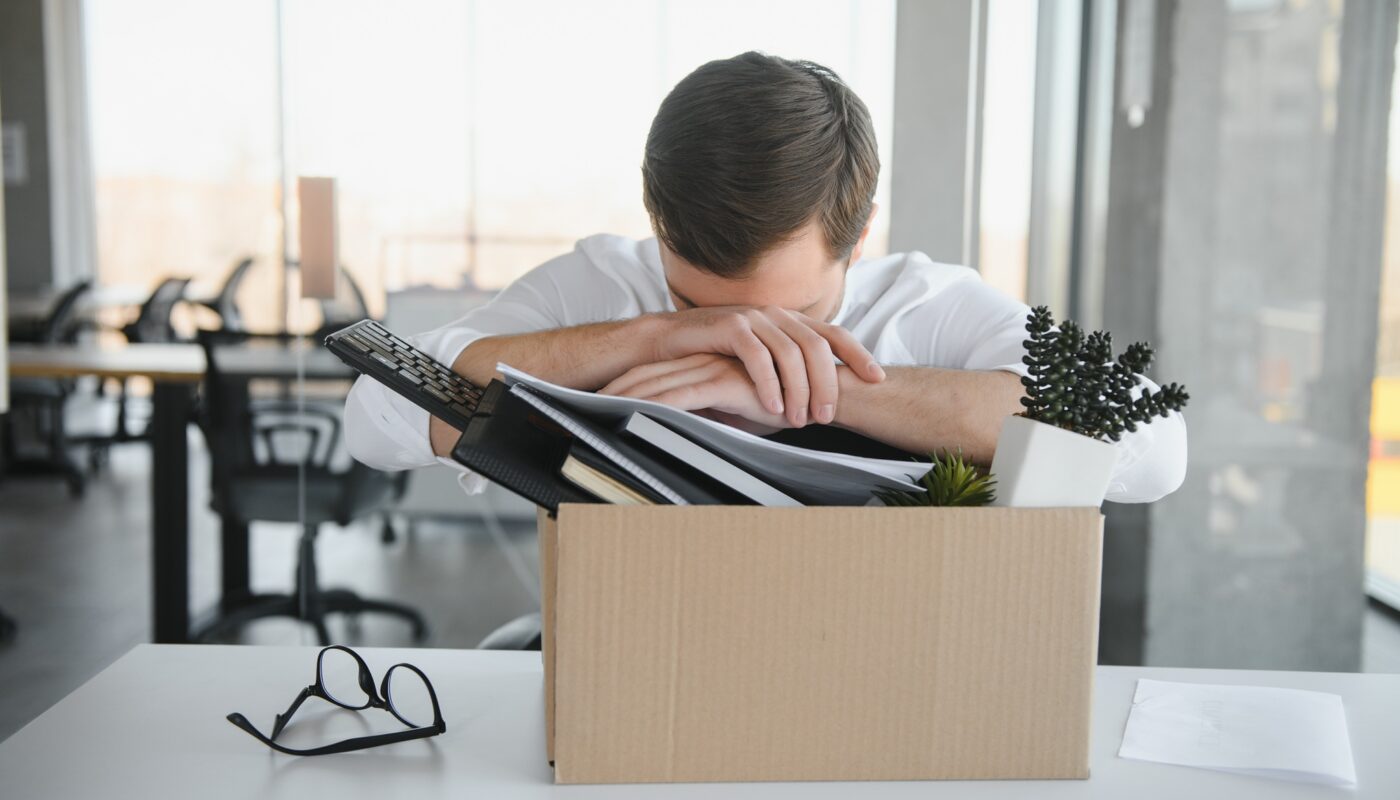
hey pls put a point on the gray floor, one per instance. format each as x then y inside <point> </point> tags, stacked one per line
<point>76,576</point>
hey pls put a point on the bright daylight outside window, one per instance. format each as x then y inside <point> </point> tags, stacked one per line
<point>1383,484</point>
<point>463,156</point>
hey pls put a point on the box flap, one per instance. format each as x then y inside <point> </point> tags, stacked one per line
<point>548,532</point>
<point>749,643</point>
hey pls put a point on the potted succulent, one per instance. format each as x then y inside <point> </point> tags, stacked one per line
<point>950,481</point>
<point>1079,401</point>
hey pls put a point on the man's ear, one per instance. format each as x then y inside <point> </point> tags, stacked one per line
<point>860,243</point>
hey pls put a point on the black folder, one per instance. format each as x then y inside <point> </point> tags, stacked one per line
<point>511,443</point>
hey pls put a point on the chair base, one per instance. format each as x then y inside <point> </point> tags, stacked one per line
<point>61,465</point>
<point>8,629</point>
<point>326,601</point>
<point>521,633</point>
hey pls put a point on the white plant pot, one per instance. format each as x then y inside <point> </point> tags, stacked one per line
<point>1041,466</point>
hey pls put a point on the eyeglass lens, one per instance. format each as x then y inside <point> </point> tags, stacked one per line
<point>409,697</point>
<point>340,678</point>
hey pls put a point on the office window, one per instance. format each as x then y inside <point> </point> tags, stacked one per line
<point>1383,480</point>
<point>471,140</point>
<point>184,120</point>
<point>1008,123</point>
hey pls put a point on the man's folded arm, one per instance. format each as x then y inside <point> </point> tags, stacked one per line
<point>388,431</point>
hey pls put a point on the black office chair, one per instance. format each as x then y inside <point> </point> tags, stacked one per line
<point>225,303</point>
<point>40,402</point>
<point>255,479</point>
<point>522,633</point>
<point>8,628</point>
<point>56,326</point>
<point>151,326</point>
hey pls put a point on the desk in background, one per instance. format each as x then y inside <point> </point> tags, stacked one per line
<point>152,725</point>
<point>175,371</point>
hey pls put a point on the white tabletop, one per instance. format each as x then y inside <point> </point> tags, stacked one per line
<point>152,725</point>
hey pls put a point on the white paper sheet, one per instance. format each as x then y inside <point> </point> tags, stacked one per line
<point>1290,734</point>
<point>837,477</point>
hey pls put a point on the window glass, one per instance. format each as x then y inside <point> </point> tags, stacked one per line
<point>1383,482</point>
<point>184,122</point>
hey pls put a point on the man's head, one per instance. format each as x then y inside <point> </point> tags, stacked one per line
<point>759,177</point>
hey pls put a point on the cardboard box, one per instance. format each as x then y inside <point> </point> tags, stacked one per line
<point>752,644</point>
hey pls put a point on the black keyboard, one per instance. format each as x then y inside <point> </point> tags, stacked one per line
<point>369,348</point>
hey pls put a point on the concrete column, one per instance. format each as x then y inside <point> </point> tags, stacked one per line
<point>1245,226</point>
<point>28,224</point>
<point>935,159</point>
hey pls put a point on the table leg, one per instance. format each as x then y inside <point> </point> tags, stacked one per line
<point>234,564</point>
<point>170,512</point>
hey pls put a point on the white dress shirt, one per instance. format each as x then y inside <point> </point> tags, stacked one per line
<point>905,309</point>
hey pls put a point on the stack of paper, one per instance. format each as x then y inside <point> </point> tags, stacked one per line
<point>1278,733</point>
<point>832,478</point>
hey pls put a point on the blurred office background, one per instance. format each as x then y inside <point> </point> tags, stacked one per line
<point>1215,177</point>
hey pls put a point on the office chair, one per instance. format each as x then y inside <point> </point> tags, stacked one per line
<point>256,480</point>
<point>522,633</point>
<point>56,326</point>
<point>151,326</point>
<point>43,399</point>
<point>152,323</point>
<point>225,303</point>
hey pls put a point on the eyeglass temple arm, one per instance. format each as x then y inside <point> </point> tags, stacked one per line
<point>357,743</point>
<point>286,716</point>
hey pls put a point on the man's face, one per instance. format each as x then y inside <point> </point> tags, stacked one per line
<point>798,275</point>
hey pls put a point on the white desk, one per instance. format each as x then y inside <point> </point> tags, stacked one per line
<point>152,725</point>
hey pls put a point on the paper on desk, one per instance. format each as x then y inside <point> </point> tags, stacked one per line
<point>834,477</point>
<point>1276,733</point>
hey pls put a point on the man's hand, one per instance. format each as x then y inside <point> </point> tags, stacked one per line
<point>789,358</point>
<point>704,381</point>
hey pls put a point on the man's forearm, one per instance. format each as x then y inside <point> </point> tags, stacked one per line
<point>925,409</point>
<point>585,357</point>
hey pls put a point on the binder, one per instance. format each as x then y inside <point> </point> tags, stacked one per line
<point>672,480</point>
<point>514,445</point>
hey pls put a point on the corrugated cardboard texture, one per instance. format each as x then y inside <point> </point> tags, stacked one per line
<point>746,643</point>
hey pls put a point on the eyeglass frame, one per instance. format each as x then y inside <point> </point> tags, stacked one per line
<point>374,699</point>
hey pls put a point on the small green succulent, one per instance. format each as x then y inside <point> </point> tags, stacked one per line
<point>950,481</point>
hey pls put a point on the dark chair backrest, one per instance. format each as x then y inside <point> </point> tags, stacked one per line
<point>225,303</point>
<point>152,324</point>
<point>246,437</point>
<point>58,325</point>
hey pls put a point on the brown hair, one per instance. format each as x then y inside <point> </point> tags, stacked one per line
<point>746,150</point>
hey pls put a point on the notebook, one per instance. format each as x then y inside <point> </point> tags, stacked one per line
<point>672,481</point>
<point>698,458</point>
<point>589,470</point>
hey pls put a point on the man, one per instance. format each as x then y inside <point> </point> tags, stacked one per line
<point>759,178</point>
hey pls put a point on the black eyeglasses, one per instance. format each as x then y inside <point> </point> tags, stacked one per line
<point>343,678</point>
